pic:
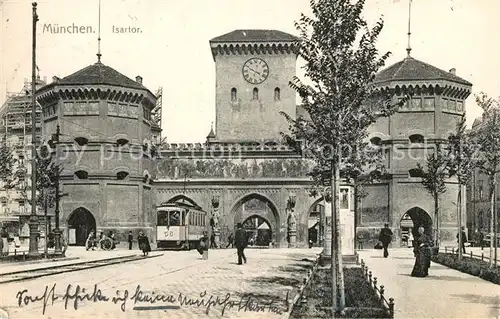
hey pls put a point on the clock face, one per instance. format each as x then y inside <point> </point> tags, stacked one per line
<point>255,71</point>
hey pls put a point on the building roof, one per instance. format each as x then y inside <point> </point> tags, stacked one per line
<point>411,69</point>
<point>254,35</point>
<point>99,73</point>
<point>212,133</point>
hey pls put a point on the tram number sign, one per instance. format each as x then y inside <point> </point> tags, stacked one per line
<point>169,234</point>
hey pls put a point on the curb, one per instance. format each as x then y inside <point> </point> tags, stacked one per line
<point>301,290</point>
<point>40,261</point>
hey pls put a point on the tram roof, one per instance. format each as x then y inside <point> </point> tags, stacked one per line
<point>180,205</point>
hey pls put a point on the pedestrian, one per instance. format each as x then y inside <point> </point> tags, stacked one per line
<point>64,244</point>
<point>422,252</point>
<point>230,241</point>
<point>130,238</point>
<point>89,243</point>
<point>143,243</point>
<point>464,239</point>
<point>385,237</point>
<point>481,238</point>
<point>112,237</point>
<point>241,242</point>
<point>212,241</point>
<point>5,241</point>
<point>203,245</point>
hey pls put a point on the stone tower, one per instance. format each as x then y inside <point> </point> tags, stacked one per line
<point>105,149</point>
<point>436,103</point>
<point>253,69</point>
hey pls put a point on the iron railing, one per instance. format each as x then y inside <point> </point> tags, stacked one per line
<point>387,304</point>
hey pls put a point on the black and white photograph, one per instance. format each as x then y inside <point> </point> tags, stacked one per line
<point>277,159</point>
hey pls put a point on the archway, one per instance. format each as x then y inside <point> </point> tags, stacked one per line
<point>413,219</point>
<point>258,231</point>
<point>182,199</point>
<point>259,217</point>
<point>80,223</point>
<point>314,224</point>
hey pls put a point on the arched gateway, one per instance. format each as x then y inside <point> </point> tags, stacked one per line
<point>80,223</point>
<point>413,219</point>
<point>259,217</point>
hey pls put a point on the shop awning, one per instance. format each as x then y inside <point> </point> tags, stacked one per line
<point>312,223</point>
<point>263,226</point>
<point>9,218</point>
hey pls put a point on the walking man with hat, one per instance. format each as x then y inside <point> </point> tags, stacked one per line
<point>241,242</point>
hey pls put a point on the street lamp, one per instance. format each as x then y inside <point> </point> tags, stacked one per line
<point>33,223</point>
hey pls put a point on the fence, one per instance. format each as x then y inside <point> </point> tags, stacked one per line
<point>454,250</point>
<point>388,305</point>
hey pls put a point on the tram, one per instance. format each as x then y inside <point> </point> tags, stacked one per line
<point>179,225</point>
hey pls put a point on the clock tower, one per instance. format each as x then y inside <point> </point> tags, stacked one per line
<point>253,69</point>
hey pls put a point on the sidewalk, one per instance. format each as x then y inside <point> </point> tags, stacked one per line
<point>73,255</point>
<point>446,293</point>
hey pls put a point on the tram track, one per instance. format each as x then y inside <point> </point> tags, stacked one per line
<point>24,275</point>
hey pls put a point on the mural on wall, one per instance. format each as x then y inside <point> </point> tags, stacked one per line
<point>243,168</point>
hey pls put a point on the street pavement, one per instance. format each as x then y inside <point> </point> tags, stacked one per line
<point>445,293</point>
<point>175,285</point>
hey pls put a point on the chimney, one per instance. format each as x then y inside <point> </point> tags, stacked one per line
<point>138,79</point>
<point>44,79</point>
<point>453,71</point>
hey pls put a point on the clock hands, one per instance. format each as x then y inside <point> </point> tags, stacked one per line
<point>254,71</point>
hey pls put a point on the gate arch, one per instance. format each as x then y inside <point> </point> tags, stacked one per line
<point>81,222</point>
<point>414,218</point>
<point>256,207</point>
<point>181,198</point>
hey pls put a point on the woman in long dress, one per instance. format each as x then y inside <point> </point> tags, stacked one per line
<point>422,251</point>
<point>143,242</point>
<point>5,240</point>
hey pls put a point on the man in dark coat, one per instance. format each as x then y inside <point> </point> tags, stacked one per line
<point>464,239</point>
<point>240,240</point>
<point>385,238</point>
<point>130,239</point>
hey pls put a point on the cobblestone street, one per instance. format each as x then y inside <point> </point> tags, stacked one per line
<point>177,280</point>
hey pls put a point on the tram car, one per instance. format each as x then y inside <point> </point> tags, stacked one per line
<point>179,225</point>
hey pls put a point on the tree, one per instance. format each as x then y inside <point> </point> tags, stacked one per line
<point>462,161</point>
<point>7,166</point>
<point>341,103</point>
<point>434,181</point>
<point>487,137</point>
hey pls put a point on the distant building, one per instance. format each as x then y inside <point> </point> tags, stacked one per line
<point>15,130</point>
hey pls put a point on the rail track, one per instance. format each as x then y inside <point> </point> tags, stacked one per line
<point>59,269</point>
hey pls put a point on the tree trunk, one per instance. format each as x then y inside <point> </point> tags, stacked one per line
<point>334,199</point>
<point>437,237</point>
<point>492,215</point>
<point>338,284</point>
<point>459,213</point>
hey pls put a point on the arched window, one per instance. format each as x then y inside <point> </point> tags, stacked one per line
<point>416,172</point>
<point>82,174</point>
<point>81,141</point>
<point>122,142</point>
<point>121,175</point>
<point>234,95</point>
<point>416,138</point>
<point>277,95</point>
<point>377,141</point>
<point>255,93</point>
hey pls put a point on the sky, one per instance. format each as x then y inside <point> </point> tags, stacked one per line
<point>173,51</point>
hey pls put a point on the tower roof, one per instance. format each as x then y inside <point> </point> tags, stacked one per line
<point>254,35</point>
<point>99,73</point>
<point>212,133</point>
<point>411,69</point>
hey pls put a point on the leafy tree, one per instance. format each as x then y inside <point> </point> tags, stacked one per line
<point>487,137</point>
<point>462,161</point>
<point>341,103</point>
<point>7,165</point>
<point>434,181</point>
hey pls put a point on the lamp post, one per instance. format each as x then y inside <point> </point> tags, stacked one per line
<point>58,196</point>
<point>33,223</point>
<point>292,222</point>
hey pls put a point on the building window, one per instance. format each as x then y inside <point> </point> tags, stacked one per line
<point>415,172</point>
<point>480,190</point>
<point>122,142</point>
<point>21,207</point>
<point>234,95</point>
<point>81,141</point>
<point>147,114</point>
<point>82,174</point>
<point>277,95</point>
<point>416,138</point>
<point>121,175</point>
<point>255,93</point>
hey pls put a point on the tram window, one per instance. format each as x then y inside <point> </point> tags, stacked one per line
<point>175,218</point>
<point>183,220</point>
<point>162,219</point>
<point>190,218</point>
